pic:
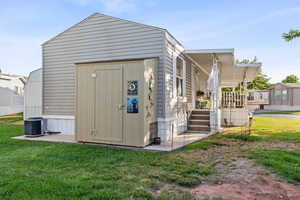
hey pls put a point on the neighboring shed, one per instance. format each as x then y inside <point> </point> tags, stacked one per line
<point>284,96</point>
<point>33,95</point>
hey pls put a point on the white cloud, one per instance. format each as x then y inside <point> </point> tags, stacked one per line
<point>199,28</point>
<point>114,6</point>
<point>81,2</point>
<point>119,5</point>
<point>269,16</point>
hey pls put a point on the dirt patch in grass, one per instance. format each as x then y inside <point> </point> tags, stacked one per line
<point>19,123</point>
<point>230,164</point>
<point>264,188</point>
<point>238,177</point>
<point>15,119</point>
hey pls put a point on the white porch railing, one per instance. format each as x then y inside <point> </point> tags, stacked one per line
<point>233,100</point>
<point>258,97</point>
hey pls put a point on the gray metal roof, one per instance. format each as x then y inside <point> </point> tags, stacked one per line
<point>288,85</point>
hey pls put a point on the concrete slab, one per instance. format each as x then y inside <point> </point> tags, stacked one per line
<point>49,138</point>
<point>178,141</point>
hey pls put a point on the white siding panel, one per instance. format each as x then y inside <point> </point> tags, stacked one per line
<point>98,38</point>
<point>65,126</point>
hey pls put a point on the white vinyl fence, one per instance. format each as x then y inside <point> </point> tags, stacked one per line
<point>10,102</point>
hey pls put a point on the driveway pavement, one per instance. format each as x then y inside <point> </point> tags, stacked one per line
<point>278,115</point>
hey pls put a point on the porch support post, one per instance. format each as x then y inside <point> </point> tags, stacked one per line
<point>245,87</point>
<point>215,89</point>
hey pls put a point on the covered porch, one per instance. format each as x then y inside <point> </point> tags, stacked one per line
<point>215,69</point>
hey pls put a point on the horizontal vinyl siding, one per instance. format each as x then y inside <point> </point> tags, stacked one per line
<point>98,38</point>
<point>296,97</point>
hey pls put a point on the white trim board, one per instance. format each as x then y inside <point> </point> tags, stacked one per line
<point>204,51</point>
<point>249,65</point>
<point>58,116</point>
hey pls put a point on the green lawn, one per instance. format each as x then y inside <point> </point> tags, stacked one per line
<point>41,170</point>
<point>270,129</point>
<point>266,129</point>
<point>284,163</point>
<point>288,112</point>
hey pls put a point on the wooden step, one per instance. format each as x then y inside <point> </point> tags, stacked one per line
<point>198,122</point>
<point>198,128</point>
<point>199,117</point>
<point>200,112</point>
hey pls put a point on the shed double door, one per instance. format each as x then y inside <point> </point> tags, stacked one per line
<point>101,107</point>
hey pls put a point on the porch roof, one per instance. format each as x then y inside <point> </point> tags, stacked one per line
<point>231,74</point>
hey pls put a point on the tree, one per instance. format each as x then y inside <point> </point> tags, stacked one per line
<point>291,35</point>
<point>260,82</point>
<point>291,79</point>
<point>248,61</point>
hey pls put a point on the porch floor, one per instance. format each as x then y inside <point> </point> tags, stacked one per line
<point>178,141</point>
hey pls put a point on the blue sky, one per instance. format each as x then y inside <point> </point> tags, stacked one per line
<point>252,27</point>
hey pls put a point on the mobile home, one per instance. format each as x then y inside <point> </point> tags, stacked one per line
<point>109,80</point>
<point>284,96</point>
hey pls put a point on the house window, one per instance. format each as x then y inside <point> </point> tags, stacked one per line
<point>280,96</point>
<point>284,95</point>
<point>277,95</point>
<point>179,76</point>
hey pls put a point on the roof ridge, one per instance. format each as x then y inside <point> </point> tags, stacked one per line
<point>97,13</point>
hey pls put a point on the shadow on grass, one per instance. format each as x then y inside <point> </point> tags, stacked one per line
<point>242,137</point>
<point>205,144</point>
<point>257,136</point>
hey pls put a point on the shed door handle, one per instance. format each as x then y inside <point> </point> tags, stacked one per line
<point>121,106</point>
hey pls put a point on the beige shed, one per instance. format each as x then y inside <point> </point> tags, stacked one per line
<point>115,102</point>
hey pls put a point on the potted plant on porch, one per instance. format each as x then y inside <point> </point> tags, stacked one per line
<point>201,101</point>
